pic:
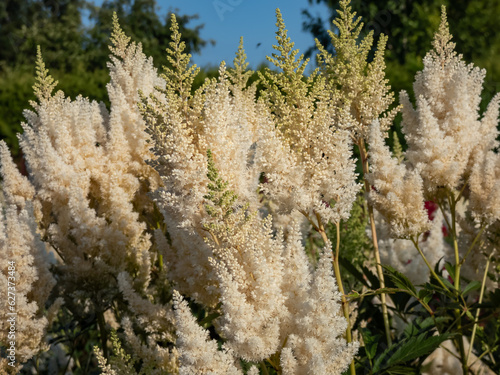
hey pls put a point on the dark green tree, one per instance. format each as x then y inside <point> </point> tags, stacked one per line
<point>410,26</point>
<point>56,25</point>
<point>76,52</point>
<point>143,24</point>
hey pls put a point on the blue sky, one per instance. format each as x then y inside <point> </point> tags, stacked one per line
<point>226,20</point>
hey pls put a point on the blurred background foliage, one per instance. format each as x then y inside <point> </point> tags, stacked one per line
<point>76,50</point>
<point>410,26</point>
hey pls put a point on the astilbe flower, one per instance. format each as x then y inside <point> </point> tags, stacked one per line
<point>25,272</point>
<point>199,354</point>
<point>452,149</point>
<point>486,243</point>
<point>218,249</point>
<point>88,182</point>
<point>89,174</point>
<point>445,134</point>
<point>397,189</point>
<point>359,89</point>
<point>155,320</point>
<point>316,345</point>
<point>248,264</point>
<point>305,157</point>
<point>222,116</point>
<point>485,187</point>
<point>265,284</point>
<point>271,297</point>
<point>484,179</point>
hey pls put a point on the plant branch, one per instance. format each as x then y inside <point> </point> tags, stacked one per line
<point>376,252</point>
<point>481,294</point>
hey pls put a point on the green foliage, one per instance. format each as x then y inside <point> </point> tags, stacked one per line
<point>75,53</point>
<point>448,311</point>
<point>180,76</point>
<point>405,355</point>
<point>397,148</point>
<point>16,92</point>
<point>221,199</point>
<point>287,88</point>
<point>143,24</point>
<point>44,83</point>
<point>21,26</point>
<point>355,245</point>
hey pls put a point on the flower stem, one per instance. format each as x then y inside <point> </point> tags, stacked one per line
<point>376,252</point>
<point>452,202</point>
<point>102,330</point>
<point>433,273</point>
<point>336,268</point>
<point>483,284</point>
<point>264,368</point>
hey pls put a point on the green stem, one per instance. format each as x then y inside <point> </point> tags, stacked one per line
<point>460,339</point>
<point>263,367</point>
<point>415,243</point>
<point>160,262</point>
<point>69,359</point>
<point>481,294</point>
<point>376,252</point>
<point>452,203</point>
<point>345,304</point>
<point>102,330</point>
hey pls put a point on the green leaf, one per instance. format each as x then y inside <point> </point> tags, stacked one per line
<point>401,300</point>
<point>473,285</point>
<point>400,280</point>
<point>424,295</point>
<point>419,326</point>
<point>374,281</point>
<point>402,370</point>
<point>451,269</point>
<point>469,315</point>
<point>355,295</point>
<point>344,262</point>
<point>371,342</point>
<point>448,285</point>
<point>409,349</point>
<point>416,347</point>
<point>209,318</point>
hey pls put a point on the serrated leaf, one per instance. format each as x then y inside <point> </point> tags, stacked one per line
<point>437,269</point>
<point>410,349</point>
<point>473,285</point>
<point>469,315</point>
<point>434,288</point>
<point>401,300</point>
<point>209,318</point>
<point>374,281</point>
<point>400,280</point>
<point>419,326</point>
<point>371,343</point>
<point>451,269</point>
<point>424,295</point>
<point>448,285</point>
